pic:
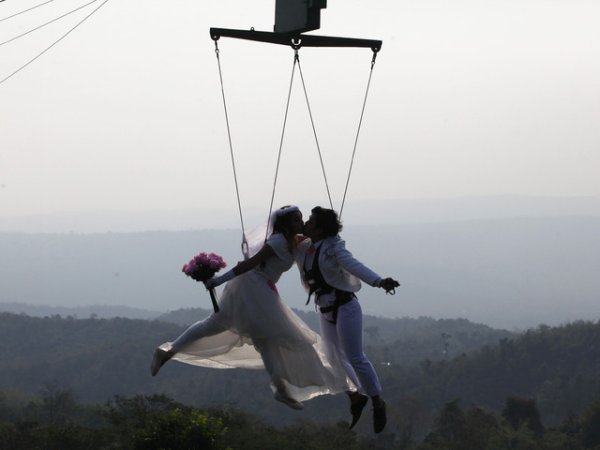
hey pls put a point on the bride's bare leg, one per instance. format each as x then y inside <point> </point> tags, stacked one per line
<point>203,328</point>
<point>160,357</point>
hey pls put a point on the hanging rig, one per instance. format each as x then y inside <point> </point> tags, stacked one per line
<point>292,19</point>
<point>295,40</point>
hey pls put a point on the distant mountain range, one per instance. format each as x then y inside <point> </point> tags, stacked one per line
<point>79,312</point>
<point>358,212</point>
<point>507,272</point>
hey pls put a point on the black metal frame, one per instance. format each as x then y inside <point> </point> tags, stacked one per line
<point>295,40</point>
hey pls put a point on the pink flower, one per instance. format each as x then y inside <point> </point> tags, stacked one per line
<point>203,266</point>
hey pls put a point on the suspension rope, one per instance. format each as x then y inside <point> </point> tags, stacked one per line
<point>26,10</point>
<point>296,62</point>
<point>237,189</point>
<point>54,43</point>
<point>315,134</point>
<point>287,108</point>
<point>47,23</point>
<point>358,132</point>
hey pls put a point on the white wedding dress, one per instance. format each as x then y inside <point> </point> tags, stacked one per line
<point>254,329</point>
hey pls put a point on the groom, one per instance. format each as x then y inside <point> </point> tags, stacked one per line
<point>333,275</point>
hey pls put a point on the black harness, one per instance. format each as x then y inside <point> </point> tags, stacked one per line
<point>318,286</point>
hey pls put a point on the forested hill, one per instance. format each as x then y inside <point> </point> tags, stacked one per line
<point>559,367</point>
<point>405,341</point>
<point>99,358</point>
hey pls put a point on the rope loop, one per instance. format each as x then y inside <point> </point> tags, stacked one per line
<point>375,51</point>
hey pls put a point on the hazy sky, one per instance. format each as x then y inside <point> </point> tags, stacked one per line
<point>473,97</point>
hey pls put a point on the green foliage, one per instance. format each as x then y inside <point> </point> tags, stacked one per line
<point>157,422</point>
<point>406,342</point>
<point>558,367</point>
<point>509,438</point>
<point>36,436</point>
<point>590,426</point>
<point>179,429</point>
<point>480,430</point>
<point>519,412</point>
<point>457,430</point>
<point>477,429</point>
<point>96,359</point>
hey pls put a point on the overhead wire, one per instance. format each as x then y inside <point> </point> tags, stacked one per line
<point>47,23</point>
<point>24,11</point>
<point>53,44</point>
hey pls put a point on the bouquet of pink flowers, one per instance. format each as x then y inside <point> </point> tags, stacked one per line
<point>203,267</point>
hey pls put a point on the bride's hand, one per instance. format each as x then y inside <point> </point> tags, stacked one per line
<point>217,281</point>
<point>211,283</point>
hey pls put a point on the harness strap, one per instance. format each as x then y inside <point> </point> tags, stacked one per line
<point>314,278</point>
<point>318,286</point>
<point>341,298</point>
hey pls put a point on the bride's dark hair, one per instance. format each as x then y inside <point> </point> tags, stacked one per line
<point>283,224</point>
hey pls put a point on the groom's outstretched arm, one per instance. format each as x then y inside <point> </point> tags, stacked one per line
<point>358,269</point>
<point>353,265</point>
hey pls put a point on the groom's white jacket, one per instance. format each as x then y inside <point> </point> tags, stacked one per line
<point>339,268</point>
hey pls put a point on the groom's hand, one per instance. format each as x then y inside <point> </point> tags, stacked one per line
<point>389,284</point>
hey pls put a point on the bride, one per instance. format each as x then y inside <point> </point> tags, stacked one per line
<point>255,329</point>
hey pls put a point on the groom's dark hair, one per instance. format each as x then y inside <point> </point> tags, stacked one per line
<point>327,220</point>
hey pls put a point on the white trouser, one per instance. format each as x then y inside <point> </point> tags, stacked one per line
<point>345,339</point>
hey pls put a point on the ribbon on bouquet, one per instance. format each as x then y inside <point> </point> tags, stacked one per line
<point>213,299</point>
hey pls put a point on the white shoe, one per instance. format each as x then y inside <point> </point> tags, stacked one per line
<point>160,357</point>
<point>283,398</point>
